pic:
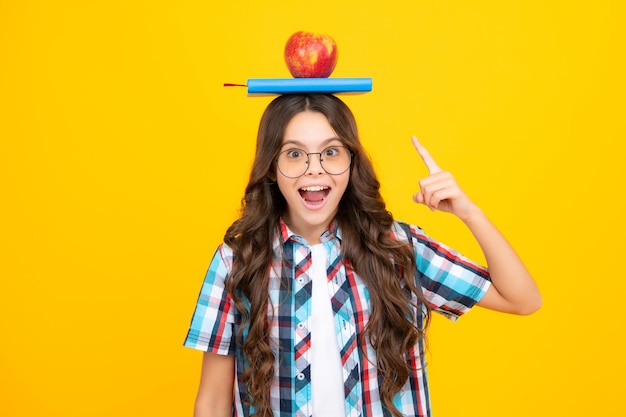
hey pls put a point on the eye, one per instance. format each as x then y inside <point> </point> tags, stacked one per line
<point>331,151</point>
<point>294,153</point>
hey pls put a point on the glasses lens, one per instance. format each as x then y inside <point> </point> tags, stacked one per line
<point>335,159</point>
<point>294,163</point>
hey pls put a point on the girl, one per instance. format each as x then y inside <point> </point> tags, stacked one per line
<point>317,301</point>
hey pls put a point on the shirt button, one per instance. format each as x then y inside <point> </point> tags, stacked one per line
<point>301,280</point>
<point>301,325</point>
<point>300,377</point>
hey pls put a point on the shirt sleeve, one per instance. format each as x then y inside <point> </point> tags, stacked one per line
<point>213,321</point>
<point>450,282</point>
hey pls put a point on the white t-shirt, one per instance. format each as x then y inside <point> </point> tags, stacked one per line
<point>326,369</point>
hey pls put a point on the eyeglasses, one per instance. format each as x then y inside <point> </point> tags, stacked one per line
<point>294,163</point>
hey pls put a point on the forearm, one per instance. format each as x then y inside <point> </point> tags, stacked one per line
<point>515,290</point>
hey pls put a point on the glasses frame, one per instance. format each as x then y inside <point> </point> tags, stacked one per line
<point>308,159</point>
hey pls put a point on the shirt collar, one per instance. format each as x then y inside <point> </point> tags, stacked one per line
<point>286,234</point>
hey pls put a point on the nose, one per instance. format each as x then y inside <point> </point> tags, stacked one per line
<point>315,164</point>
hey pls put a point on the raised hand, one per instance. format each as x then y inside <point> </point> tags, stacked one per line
<point>513,289</point>
<point>439,190</point>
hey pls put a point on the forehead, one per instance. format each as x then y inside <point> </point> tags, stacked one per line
<point>308,128</point>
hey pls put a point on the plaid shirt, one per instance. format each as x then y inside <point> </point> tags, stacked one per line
<point>451,284</point>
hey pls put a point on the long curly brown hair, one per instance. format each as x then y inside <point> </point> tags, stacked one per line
<point>384,264</point>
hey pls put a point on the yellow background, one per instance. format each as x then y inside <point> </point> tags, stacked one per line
<point>123,160</point>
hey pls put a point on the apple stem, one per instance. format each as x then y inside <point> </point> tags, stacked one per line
<point>234,85</point>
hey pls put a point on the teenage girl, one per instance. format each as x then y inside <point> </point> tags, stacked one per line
<point>317,301</point>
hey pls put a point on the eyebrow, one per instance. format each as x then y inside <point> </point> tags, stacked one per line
<point>298,143</point>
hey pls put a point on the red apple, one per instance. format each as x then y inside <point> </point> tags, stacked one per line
<point>310,55</point>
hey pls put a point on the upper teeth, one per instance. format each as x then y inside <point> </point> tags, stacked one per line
<point>314,188</point>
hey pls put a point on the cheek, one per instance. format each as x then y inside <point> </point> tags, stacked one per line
<point>342,183</point>
<point>285,185</point>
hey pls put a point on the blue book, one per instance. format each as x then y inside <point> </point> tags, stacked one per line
<point>308,85</point>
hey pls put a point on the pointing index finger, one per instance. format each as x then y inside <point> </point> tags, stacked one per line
<point>429,161</point>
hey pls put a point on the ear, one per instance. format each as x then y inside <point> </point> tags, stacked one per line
<point>271,175</point>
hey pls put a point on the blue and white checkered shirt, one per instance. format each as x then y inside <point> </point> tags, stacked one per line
<point>450,282</point>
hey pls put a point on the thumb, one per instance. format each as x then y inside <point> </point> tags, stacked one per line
<point>419,198</point>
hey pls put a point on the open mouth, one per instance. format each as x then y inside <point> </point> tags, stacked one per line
<point>315,194</point>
